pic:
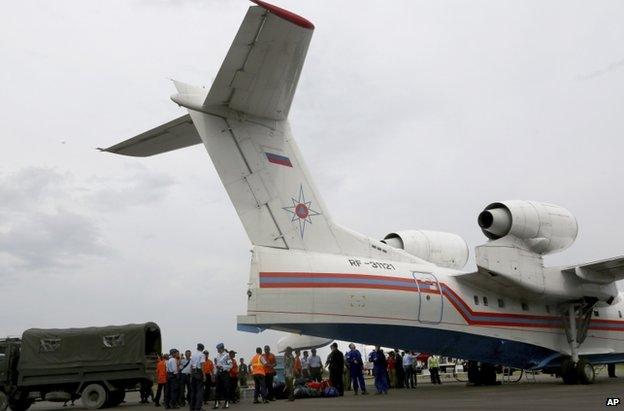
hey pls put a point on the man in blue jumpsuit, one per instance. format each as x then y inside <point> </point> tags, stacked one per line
<point>356,365</point>
<point>380,371</point>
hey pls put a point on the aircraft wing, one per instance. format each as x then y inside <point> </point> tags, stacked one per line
<point>178,133</point>
<point>260,72</point>
<point>491,281</point>
<point>600,272</point>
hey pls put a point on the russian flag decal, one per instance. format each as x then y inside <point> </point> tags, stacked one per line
<point>277,159</point>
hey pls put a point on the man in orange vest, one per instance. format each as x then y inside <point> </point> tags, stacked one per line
<point>269,372</point>
<point>258,363</point>
<point>161,377</point>
<point>208,368</point>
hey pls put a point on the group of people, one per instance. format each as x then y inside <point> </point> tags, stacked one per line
<point>189,378</point>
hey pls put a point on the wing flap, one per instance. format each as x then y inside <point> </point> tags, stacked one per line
<point>178,133</point>
<point>601,272</point>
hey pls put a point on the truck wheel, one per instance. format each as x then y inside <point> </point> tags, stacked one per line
<point>585,370</point>
<point>94,396</point>
<point>4,401</point>
<point>21,404</point>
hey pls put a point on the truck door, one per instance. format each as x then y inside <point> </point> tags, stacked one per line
<point>430,298</point>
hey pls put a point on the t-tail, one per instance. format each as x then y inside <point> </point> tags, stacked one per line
<point>242,121</point>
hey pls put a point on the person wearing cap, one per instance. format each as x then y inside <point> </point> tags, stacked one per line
<point>171,389</point>
<point>223,364</point>
<point>289,372</point>
<point>335,364</point>
<point>257,370</point>
<point>354,361</point>
<point>269,372</point>
<point>234,394</point>
<point>209,377</point>
<point>196,383</point>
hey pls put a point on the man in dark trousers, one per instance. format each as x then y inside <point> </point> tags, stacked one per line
<point>611,370</point>
<point>335,364</point>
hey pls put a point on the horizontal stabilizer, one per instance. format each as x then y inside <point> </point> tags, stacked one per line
<point>170,136</point>
<point>600,272</point>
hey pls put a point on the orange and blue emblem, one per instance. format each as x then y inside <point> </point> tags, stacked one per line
<point>301,210</point>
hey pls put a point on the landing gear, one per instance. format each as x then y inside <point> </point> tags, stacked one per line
<point>576,321</point>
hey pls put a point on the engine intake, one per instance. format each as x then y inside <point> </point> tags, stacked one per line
<point>544,228</point>
<point>443,249</point>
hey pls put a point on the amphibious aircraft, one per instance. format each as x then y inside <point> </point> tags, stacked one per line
<point>313,277</point>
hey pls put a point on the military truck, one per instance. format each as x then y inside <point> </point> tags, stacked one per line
<point>96,364</point>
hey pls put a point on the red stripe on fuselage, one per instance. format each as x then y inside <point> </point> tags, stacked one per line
<point>457,302</point>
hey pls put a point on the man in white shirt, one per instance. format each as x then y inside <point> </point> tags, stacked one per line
<point>316,366</point>
<point>185,372</point>
<point>171,388</point>
<point>305,366</point>
<point>408,366</point>
<point>223,365</point>
<point>196,389</point>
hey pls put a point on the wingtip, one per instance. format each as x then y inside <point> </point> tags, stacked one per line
<point>286,15</point>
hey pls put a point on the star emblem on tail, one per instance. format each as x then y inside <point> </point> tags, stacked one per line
<point>301,210</point>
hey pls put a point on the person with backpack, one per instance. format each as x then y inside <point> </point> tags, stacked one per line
<point>335,364</point>
<point>380,365</point>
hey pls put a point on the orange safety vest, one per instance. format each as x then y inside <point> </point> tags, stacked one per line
<point>161,372</point>
<point>257,368</point>
<point>208,367</point>
<point>234,369</point>
<point>270,363</point>
<point>297,365</point>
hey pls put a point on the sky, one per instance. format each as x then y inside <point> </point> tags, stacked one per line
<point>410,115</point>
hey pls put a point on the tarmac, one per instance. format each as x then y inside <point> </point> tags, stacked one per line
<point>539,393</point>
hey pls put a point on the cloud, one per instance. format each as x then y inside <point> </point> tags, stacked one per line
<point>51,220</point>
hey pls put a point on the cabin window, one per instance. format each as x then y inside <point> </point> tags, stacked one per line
<point>596,313</point>
<point>49,344</point>
<point>112,341</point>
<point>525,307</point>
<point>548,309</point>
<point>476,300</point>
<point>485,301</point>
<point>501,303</point>
<point>619,313</point>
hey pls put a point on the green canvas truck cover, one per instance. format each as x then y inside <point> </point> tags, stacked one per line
<point>92,346</point>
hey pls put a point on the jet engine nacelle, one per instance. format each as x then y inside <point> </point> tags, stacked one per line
<point>544,228</point>
<point>443,249</point>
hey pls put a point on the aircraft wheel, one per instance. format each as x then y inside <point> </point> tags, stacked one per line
<point>4,401</point>
<point>569,372</point>
<point>94,396</point>
<point>585,372</point>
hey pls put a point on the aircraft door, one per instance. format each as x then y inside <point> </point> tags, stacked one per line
<point>430,298</point>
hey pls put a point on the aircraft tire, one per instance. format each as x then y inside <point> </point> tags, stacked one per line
<point>569,372</point>
<point>585,372</point>
<point>94,396</point>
